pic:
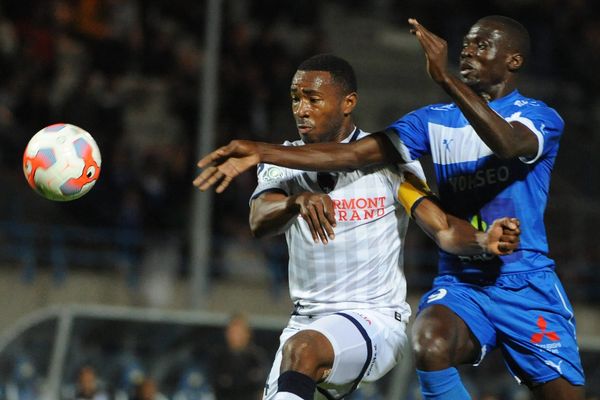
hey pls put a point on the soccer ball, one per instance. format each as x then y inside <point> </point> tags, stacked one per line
<point>62,162</point>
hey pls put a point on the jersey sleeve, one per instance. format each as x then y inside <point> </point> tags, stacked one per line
<point>545,123</point>
<point>271,178</point>
<point>409,135</point>
<point>413,187</point>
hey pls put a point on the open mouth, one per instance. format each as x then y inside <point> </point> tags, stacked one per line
<point>304,128</point>
<point>466,69</point>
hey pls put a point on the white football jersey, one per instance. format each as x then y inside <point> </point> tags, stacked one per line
<point>363,266</point>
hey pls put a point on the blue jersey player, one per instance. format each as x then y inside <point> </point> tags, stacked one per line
<point>493,150</point>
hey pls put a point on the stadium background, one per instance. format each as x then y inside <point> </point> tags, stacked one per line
<point>133,72</point>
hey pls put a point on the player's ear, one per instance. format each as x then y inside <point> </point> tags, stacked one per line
<point>350,102</point>
<point>515,62</point>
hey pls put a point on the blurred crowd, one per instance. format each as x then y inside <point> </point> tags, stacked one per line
<point>125,360</point>
<point>221,363</point>
<point>128,71</point>
<point>178,362</point>
<point>554,25</point>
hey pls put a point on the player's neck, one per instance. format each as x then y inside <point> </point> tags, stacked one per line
<point>497,91</point>
<point>344,133</point>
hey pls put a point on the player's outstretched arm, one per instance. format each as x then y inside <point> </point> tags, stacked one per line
<point>272,214</point>
<point>221,166</point>
<point>457,236</point>
<point>506,140</point>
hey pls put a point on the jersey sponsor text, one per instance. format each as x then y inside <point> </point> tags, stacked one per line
<point>361,208</point>
<point>480,178</point>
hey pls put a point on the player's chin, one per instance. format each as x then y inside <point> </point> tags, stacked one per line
<point>309,136</point>
<point>470,80</point>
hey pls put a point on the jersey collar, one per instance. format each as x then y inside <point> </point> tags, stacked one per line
<point>352,137</point>
<point>509,98</point>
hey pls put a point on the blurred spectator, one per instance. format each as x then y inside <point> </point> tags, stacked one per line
<point>25,383</point>
<point>148,390</point>
<point>87,387</point>
<point>239,370</point>
<point>194,385</point>
<point>131,375</point>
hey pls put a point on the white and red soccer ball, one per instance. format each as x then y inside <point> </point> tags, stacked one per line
<point>62,162</point>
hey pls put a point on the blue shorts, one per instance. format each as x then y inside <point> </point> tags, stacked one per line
<point>527,315</point>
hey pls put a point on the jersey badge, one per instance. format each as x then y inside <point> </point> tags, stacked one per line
<point>272,174</point>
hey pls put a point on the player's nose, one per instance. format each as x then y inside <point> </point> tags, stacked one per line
<point>302,109</point>
<point>466,51</point>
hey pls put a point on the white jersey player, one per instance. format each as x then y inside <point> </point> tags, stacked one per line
<point>345,234</point>
<point>356,281</point>
<point>357,270</point>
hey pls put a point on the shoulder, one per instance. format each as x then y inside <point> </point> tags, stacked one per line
<point>440,113</point>
<point>439,107</point>
<point>533,105</point>
<point>536,109</point>
<point>271,172</point>
<point>418,120</point>
<point>434,109</point>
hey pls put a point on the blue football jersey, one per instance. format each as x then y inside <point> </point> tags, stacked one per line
<point>476,185</point>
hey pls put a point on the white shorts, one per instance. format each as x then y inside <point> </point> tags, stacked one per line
<point>366,345</point>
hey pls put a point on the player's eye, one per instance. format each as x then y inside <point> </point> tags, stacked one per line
<point>90,172</point>
<point>482,46</point>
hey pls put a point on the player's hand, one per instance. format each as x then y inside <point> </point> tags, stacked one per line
<point>221,166</point>
<point>503,236</point>
<point>436,51</point>
<point>318,211</point>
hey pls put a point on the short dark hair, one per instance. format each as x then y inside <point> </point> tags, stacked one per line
<point>341,71</point>
<point>517,33</point>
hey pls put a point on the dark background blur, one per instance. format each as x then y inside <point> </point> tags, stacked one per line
<point>128,72</point>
